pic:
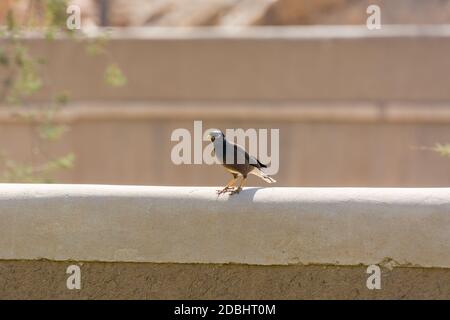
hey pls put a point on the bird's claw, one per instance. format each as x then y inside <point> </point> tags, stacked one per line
<point>224,190</point>
<point>236,190</point>
<point>231,190</point>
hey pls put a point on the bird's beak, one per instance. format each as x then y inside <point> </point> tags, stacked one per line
<point>209,136</point>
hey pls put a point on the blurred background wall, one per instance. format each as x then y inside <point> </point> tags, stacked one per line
<point>354,107</point>
<point>240,12</point>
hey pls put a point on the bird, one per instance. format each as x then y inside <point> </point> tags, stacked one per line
<point>242,165</point>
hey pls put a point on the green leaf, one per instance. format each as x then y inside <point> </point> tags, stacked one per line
<point>27,80</point>
<point>94,49</point>
<point>52,132</point>
<point>62,98</point>
<point>50,33</point>
<point>97,46</point>
<point>55,13</point>
<point>443,150</point>
<point>114,76</point>
<point>65,162</point>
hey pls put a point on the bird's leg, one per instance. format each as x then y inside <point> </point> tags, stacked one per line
<point>241,185</point>
<point>229,186</point>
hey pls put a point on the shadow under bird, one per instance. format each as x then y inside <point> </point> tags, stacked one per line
<point>236,161</point>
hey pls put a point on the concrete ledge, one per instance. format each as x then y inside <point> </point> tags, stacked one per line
<point>271,226</point>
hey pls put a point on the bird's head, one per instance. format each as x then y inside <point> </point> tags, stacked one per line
<point>216,135</point>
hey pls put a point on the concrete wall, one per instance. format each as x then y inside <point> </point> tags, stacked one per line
<point>118,280</point>
<point>167,242</point>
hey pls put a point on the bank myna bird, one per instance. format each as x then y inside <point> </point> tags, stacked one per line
<point>236,161</point>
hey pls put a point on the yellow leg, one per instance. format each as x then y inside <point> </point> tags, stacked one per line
<point>241,185</point>
<point>232,182</point>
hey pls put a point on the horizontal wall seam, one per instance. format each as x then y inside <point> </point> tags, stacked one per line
<point>274,111</point>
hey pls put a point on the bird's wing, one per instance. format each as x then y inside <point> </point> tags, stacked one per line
<point>242,156</point>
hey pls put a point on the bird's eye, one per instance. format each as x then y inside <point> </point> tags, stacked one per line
<point>213,138</point>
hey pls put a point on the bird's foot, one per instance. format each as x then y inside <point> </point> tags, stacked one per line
<point>224,190</point>
<point>235,190</point>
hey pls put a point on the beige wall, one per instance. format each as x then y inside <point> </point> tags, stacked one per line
<point>336,94</point>
<point>257,64</point>
<point>351,146</point>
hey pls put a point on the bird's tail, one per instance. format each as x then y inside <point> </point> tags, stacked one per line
<point>264,176</point>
